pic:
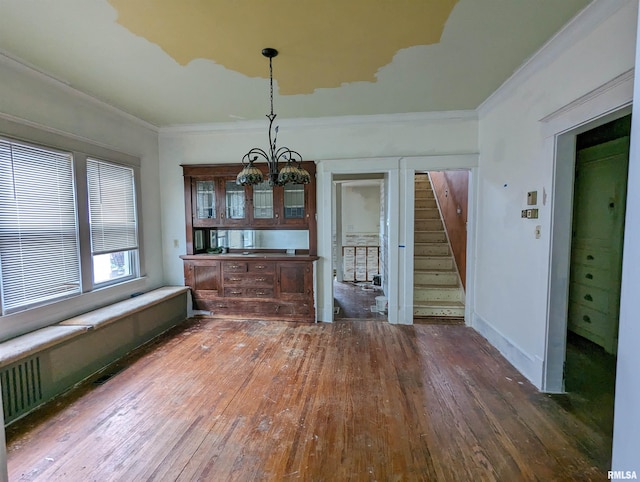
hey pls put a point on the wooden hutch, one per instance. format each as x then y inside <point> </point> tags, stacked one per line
<point>250,249</point>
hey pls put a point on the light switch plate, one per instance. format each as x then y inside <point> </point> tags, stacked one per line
<point>532,198</point>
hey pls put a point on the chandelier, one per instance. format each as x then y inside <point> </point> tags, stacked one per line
<point>292,172</point>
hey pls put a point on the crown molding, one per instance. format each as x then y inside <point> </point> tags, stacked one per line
<point>29,131</point>
<point>316,122</point>
<point>616,96</point>
<point>584,22</point>
<point>62,84</point>
<point>623,80</point>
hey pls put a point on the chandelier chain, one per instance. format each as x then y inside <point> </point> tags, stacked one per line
<point>271,82</point>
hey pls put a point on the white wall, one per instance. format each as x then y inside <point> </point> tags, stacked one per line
<point>626,426</point>
<point>34,101</point>
<point>512,266</point>
<point>360,210</point>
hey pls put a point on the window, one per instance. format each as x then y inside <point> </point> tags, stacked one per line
<point>47,251</point>
<point>39,255</point>
<point>112,221</point>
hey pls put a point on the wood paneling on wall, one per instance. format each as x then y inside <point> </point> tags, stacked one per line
<point>451,189</point>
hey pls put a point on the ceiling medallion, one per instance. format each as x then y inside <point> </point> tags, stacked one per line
<point>292,172</point>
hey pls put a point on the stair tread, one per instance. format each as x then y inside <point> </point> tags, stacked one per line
<point>429,256</point>
<point>433,286</point>
<point>439,304</point>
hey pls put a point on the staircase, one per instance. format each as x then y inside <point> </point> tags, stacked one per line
<point>437,290</point>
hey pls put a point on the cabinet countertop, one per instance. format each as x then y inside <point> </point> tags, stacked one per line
<point>240,256</point>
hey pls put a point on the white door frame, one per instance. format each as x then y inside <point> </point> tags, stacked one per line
<point>609,102</point>
<point>326,213</point>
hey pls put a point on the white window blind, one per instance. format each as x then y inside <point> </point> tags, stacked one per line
<point>39,255</point>
<point>112,209</point>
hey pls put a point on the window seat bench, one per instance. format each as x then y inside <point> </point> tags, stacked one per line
<point>37,366</point>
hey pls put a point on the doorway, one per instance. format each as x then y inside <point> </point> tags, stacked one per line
<point>560,129</point>
<point>357,247</point>
<point>599,202</point>
<point>440,245</point>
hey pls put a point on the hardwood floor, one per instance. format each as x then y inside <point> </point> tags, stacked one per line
<point>590,383</point>
<point>355,300</point>
<point>218,400</point>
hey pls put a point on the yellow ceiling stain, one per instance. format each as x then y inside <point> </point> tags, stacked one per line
<point>322,43</point>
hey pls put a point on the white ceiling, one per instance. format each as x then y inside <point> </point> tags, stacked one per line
<point>172,62</point>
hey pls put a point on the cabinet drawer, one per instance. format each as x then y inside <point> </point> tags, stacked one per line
<point>592,276</point>
<point>238,292</point>
<point>258,267</point>
<point>261,280</point>
<point>582,318</point>
<point>259,292</point>
<point>598,257</point>
<point>589,296</point>
<point>234,267</point>
<point>263,309</point>
<point>262,267</point>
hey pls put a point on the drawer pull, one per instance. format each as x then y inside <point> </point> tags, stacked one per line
<point>260,266</point>
<point>235,279</point>
<point>261,279</point>
<point>590,257</point>
<point>260,293</point>
<point>586,319</point>
<point>588,297</point>
<point>588,276</point>
<point>236,292</point>
<point>234,266</point>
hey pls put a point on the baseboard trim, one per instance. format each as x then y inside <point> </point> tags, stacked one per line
<point>531,367</point>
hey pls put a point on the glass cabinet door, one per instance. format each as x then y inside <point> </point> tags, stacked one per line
<point>234,200</point>
<point>294,201</point>
<point>263,201</point>
<point>205,200</point>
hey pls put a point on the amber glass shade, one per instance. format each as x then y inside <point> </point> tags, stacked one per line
<point>292,173</point>
<point>250,175</point>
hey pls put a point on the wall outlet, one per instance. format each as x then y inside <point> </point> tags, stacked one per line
<point>538,231</point>
<point>532,214</point>
<point>523,214</point>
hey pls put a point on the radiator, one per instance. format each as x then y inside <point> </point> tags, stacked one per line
<point>21,388</point>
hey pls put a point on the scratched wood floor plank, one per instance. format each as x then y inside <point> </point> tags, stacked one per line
<point>354,400</point>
